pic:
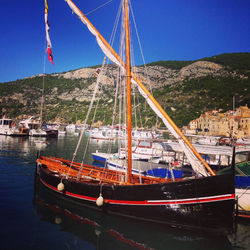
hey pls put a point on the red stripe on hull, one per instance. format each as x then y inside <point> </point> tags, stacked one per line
<point>244,216</point>
<point>146,202</point>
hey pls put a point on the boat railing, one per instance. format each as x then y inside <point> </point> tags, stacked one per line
<point>75,170</point>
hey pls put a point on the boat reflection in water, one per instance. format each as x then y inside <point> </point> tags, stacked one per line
<point>104,231</point>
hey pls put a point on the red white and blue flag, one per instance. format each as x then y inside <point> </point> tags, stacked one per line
<point>47,27</point>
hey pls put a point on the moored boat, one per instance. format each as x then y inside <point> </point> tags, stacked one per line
<point>5,126</point>
<point>103,133</point>
<point>34,127</point>
<point>204,201</point>
<point>151,169</point>
<point>242,183</point>
<point>70,128</point>
<point>190,203</point>
<point>243,141</point>
<point>242,188</point>
<point>104,230</point>
<point>52,133</point>
<point>11,128</point>
<point>208,140</point>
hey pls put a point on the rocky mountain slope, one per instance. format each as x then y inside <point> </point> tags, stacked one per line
<point>208,83</point>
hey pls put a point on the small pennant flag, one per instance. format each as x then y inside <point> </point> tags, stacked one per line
<point>50,57</point>
<point>47,27</point>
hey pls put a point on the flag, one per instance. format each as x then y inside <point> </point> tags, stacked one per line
<point>47,27</point>
<point>50,56</point>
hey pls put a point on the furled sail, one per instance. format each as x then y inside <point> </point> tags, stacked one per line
<point>198,164</point>
<point>195,162</point>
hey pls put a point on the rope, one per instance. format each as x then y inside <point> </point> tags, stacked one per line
<point>44,70</point>
<point>103,72</point>
<point>140,46</point>
<point>86,119</point>
<point>86,146</point>
<point>114,31</point>
<point>139,41</point>
<point>139,110</point>
<point>95,92</point>
<point>98,8</point>
<point>133,68</point>
<point>120,114</point>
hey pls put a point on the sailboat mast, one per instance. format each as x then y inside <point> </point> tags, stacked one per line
<point>128,79</point>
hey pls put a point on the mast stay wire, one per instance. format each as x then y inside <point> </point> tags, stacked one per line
<point>104,69</point>
<point>118,79</point>
<point>140,46</point>
<point>44,70</point>
<point>102,5</point>
<point>96,89</point>
<point>86,146</point>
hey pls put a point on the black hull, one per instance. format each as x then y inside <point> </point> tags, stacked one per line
<point>39,136</point>
<point>19,135</point>
<point>204,204</point>
<point>91,226</point>
<point>52,133</point>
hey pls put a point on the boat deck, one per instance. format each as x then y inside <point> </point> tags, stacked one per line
<point>93,174</point>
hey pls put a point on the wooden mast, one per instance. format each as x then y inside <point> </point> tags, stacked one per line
<point>128,78</point>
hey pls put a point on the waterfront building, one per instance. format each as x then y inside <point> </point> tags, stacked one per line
<point>214,123</point>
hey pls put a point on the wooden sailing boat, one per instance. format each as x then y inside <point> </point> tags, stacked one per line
<point>205,201</point>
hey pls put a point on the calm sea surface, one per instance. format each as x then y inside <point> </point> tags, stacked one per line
<point>32,218</point>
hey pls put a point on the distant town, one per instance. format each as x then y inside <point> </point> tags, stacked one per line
<point>234,124</point>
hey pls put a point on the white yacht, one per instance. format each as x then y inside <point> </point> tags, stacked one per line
<point>9,127</point>
<point>6,126</point>
<point>34,127</point>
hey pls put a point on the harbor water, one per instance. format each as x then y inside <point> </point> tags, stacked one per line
<point>33,218</point>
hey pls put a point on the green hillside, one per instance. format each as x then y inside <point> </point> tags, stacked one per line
<point>235,61</point>
<point>191,98</point>
<point>183,101</point>
<point>200,95</point>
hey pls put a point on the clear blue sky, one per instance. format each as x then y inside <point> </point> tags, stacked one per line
<point>168,29</point>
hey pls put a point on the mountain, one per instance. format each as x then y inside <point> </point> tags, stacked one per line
<point>185,89</point>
